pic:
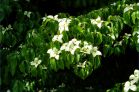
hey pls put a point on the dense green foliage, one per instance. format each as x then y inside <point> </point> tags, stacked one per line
<point>36,51</point>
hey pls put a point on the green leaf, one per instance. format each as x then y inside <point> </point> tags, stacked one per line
<point>1,37</point>
<point>18,86</point>
<point>53,64</point>
<point>60,63</point>
<point>12,60</point>
<point>78,57</point>
<point>96,62</point>
<point>133,17</point>
<point>22,67</point>
<point>137,47</point>
<point>97,38</point>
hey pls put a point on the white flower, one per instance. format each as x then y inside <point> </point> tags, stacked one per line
<point>128,86</point>
<point>95,52</point>
<point>112,36</point>
<point>53,17</point>
<point>63,24</point>
<point>134,78</point>
<point>82,65</point>
<point>128,8</point>
<point>97,21</point>
<point>65,47</point>
<point>71,46</point>
<point>87,48</point>
<point>54,53</point>
<point>136,73</point>
<point>27,13</point>
<point>36,62</point>
<point>57,38</point>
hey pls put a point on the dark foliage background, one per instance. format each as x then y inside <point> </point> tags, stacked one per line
<point>114,69</point>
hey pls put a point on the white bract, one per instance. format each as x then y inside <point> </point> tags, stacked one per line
<point>71,46</point>
<point>36,62</point>
<point>95,52</point>
<point>97,21</point>
<point>63,24</point>
<point>57,38</point>
<point>133,80</point>
<point>53,17</point>
<point>27,13</point>
<point>54,53</point>
<point>86,48</point>
<point>82,65</point>
<point>129,7</point>
<point>129,86</point>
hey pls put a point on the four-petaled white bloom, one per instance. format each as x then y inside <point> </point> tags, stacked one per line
<point>57,38</point>
<point>82,65</point>
<point>53,17</point>
<point>63,24</point>
<point>54,52</point>
<point>36,62</point>
<point>129,86</point>
<point>87,49</point>
<point>95,52</point>
<point>130,7</point>
<point>71,46</point>
<point>134,78</point>
<point>27,13</point>
<point>97,21</point>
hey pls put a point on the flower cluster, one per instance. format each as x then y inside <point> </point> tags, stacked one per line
<point>36,62</point>
<point>133,80</point>
<point>71,46</point>
<point>97,21</point>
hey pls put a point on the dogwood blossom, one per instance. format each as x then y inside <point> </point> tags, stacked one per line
<point>63,24</point>
<point>53,17</point>
<point>87,48</point>
<point>97,21</point>
<point>57,38</point>
<point>134,77</point>
<point>82,65</point>
<point>36,62</point>
<point>54,53</point>
<point>130,7</point>
<point>95,52</point>
<point>128,86</point>
<point>131,84</point>
<point>71,46</point>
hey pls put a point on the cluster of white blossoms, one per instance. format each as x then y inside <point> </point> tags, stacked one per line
<point>71,46</point>
<point>133,80</point>
<point>97,21</point>
<point>36,62</point>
